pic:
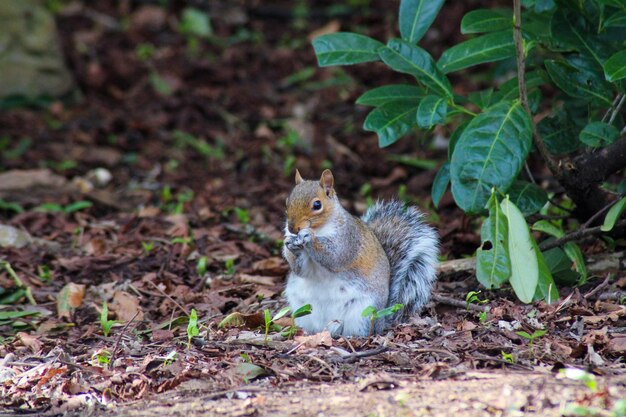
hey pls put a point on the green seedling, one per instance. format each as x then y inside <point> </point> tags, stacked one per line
<point>531,337</point>
<point>8,206</point>
<point>243,215</point>
<point>192,327</point>
<point>472,298</point>
<point>44,273</point>
<point>290,331</point>
<point>201,265</point>
<point>507,357</point>
<point>147,247</point>
<point>68,209</point>
<point>105,323</point>
<point>269,320</point>
<point>482,317</point>
<point>145,51</point>
<point>170,358</point>
<point>374,314</point>
<point>229,267</point>
<point>182,240</point>
<point>22,290</point>
<point>101,358</point>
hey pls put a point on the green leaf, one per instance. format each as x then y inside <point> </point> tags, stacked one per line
<point>572,30</point>
<point>454,138</point>
<point>486,20</point>
<point>614,213</point>
<point>369,311</point>
<point>305,310</point>
<point>8,315</point>
<point>282,313</point>
<point>393,92</point>
<point>493,264</point>
<point>546,287</point>
<point>598,134</point>
<point>192,326</point>
<point>524,263</point>
<point>403,57</point>
<point>615,66</point>
<point>440,184</point>
<point>482,98</point>
<point>76,206</point>
<point>561,267</point>
<point>490,153</point>
<point>548,228</point>
<point>559,134</point>
<point>432,110</point>
<point>195,22</point>
<point>616,20</point>
<point>578,83</point>
<point>390,121</point>
<point>248,371</point>
<point>573,252</point>
<point>529,197</point>
<point>344,48</point>
<point>509,90</point>
<point>486,48</point>
<point>416,16</point>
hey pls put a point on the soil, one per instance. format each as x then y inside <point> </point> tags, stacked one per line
<point>200,138</point>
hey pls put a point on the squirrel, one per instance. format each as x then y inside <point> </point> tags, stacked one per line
<point>341,264</point>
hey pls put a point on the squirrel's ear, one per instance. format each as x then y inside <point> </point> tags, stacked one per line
<point>327,181</point>
<point>298,177</point>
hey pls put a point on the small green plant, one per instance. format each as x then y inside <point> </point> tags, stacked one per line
<point>105,323</point>
<point>472,298</point>
<point>186,140</point>
<point>68,209</point>
<point>243,215</point>
<point>507,357</point>
<point>269,320</point>
<point>229,267</point>
<point>9,206</point>
<point>170,358</point>
<point>145,51</point>
<point>290,331</point>
<point>101,358</point>
<point>192,327</point>
<point>531,337</point>
<point>194,25</point>
<point>201,265</point>
<point>174,202</point>
<point>576,409</point>
<point>44,273</point>
<point>147,247</point>
<point>182,240</point>
<point>482,317</point>
<point>374,314</point>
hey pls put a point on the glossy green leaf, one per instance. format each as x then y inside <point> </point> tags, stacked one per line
<point>486,20</point>
<point>493,265</point>
<point>546,287</point>
<point>482,99</point>
<point>528,197</point>
<point>432,110</point>
<point>509,90</point>
<point>344,48</point>
<point>615,66</point>
<point>440,184</point>
<point>561,267</point>
<point>393,92</point>
<point>403,57</point>
<point>490,153</point>
<point>613,214</point>
<point>524,263</point>
<point>486,48</point>
<point>616,20</point>
<point>548,228</point>
<point>573,252</point>
<point>416,16</point>
<point>577,83</point>
<point>391,121</point>
<point>598,134</point>
<point>454,138</point>
<point>559,134</point>
<point>572,30</point>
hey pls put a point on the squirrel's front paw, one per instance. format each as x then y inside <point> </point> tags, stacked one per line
<point>305,236</point>
<point>294,243</point>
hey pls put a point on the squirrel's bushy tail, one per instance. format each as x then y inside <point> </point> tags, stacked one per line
<point>411,246</point>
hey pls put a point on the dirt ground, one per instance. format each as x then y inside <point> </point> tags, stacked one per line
<point>200,139</point>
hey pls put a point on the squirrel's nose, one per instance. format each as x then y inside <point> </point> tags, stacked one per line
<point>291,227</point>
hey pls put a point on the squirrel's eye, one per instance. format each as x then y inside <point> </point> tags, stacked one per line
<point>317,205</point>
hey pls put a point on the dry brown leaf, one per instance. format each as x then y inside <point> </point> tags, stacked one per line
<point>319,339</point>
<point>126,306</point>
<point>271,266</point>
<point>617,345</point>
<point>257,279</point>
<point>30,341</point>
<point>69,298</point>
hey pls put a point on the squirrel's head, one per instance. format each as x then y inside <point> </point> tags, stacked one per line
<point>311,203</point>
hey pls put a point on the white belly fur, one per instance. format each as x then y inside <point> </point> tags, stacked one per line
<point>330,298</point>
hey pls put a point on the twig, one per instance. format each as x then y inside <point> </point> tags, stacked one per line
<point>458,303</point>
<point>617,109</point>
<point>577,235</point>
<point>119,337</point>
<point>615,101</point>
<point>353,357</point>
<point>600,287</point>
<point>598,214</point>
<point>521,82</point>
<point>169,297</point>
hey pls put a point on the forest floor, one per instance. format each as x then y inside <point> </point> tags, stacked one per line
<point>200,138</point>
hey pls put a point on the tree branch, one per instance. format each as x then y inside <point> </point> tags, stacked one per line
<point>577,235</point>
<point>521,83</point>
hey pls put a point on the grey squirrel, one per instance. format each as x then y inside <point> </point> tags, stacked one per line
<point>341,264</point>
